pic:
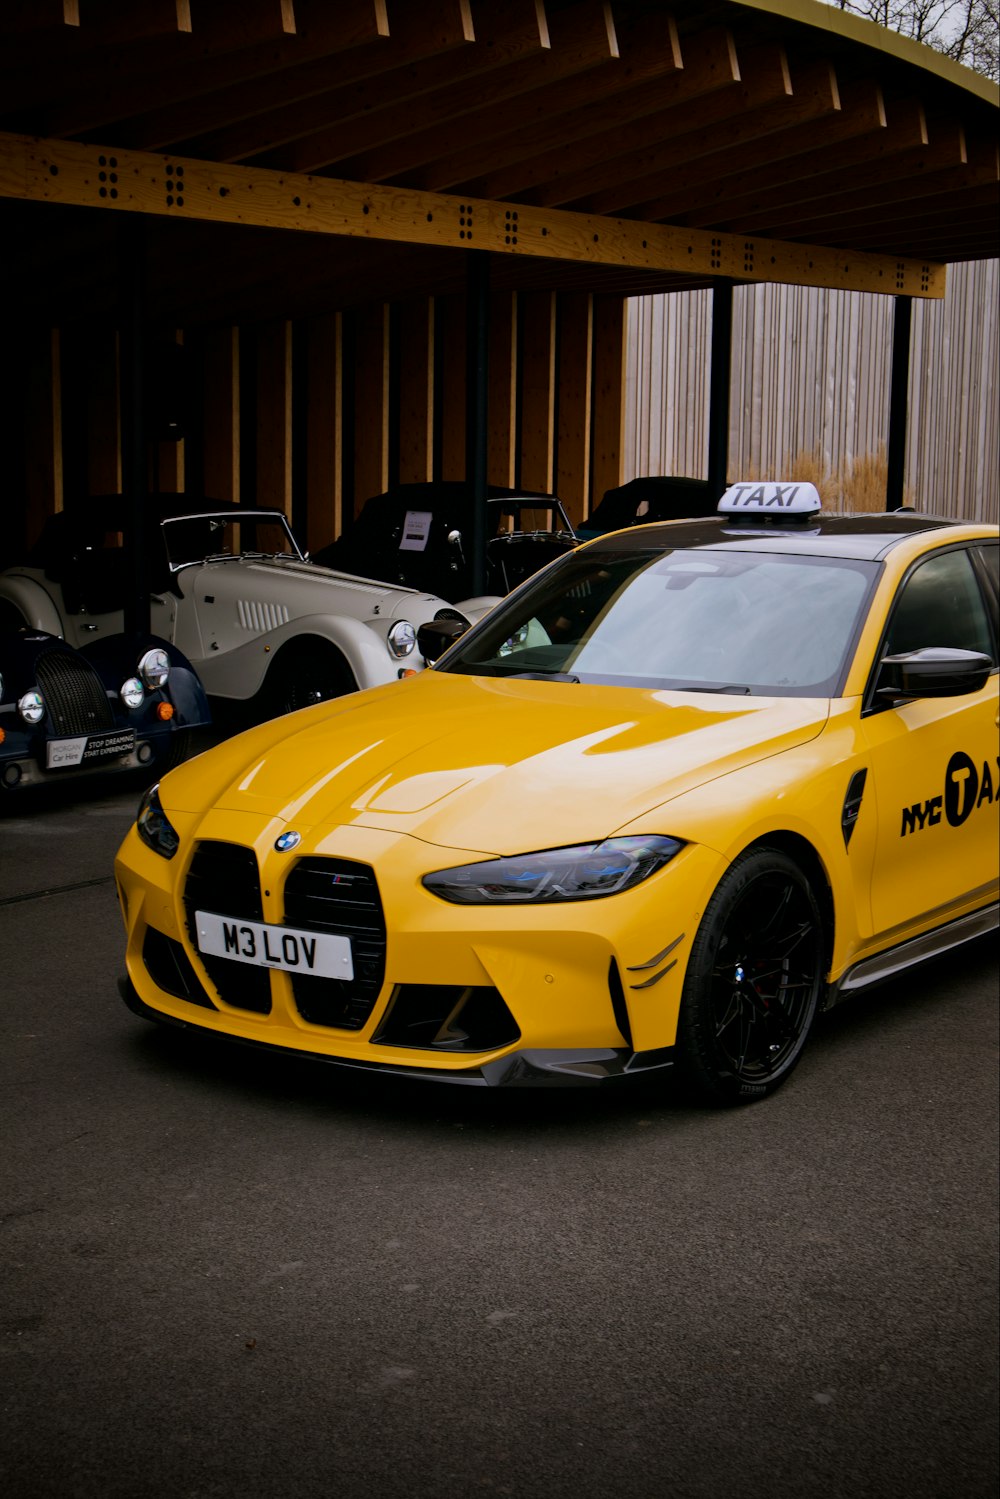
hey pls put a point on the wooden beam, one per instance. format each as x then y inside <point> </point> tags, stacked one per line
<point>256,115</point>
<point>274,415</point>
<point>371,404</point>
<point>774,132</point>
<point>425,92</point>
<point>324,420</point>
<point>533,155</point>
<point>221,384</point>
<point>609,396</point>
<point>636,146</point>
<point>584,65</point>
<point>416,386</point>
<point>948,189</point>
<point>538,390</point>
<point>910,174</point>
<point>862,130</point>
<point>502,419</point>
<point>177,74</point>
<point>92,176</point>
<point>574,398</point>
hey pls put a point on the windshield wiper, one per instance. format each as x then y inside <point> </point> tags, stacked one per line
<point>543,676</point>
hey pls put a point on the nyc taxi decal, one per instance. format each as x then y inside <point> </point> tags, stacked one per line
<point>965,790</point>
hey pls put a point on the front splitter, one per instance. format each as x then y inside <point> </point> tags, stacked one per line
<point>532,1068</point>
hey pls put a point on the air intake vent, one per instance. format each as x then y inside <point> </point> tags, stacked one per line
<point>259,618</point>
<point>74,694</point>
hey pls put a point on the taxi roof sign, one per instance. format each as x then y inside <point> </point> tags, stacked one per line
<point>771,499</point>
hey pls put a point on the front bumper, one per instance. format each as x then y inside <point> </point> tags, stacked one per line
<point>581,993</point>
<point>571,1067</point>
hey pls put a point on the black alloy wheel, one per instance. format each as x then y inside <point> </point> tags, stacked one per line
<point>753,982</point>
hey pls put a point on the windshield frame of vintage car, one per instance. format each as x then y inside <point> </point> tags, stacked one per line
<point>228,525</point>
<point>690,619</point>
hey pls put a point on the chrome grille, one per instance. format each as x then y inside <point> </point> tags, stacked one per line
<point>74,694</point>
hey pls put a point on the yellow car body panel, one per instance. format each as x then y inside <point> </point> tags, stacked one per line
<point>448,769</point>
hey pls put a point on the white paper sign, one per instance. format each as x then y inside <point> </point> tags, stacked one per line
<point>416,530</point>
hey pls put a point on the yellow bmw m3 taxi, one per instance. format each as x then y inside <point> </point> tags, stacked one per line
<point>678,793</point>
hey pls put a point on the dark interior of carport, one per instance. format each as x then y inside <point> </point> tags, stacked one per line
<point>290,252</point>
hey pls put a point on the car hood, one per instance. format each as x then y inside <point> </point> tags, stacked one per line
<point>491,766</point>
<point>360,597</point>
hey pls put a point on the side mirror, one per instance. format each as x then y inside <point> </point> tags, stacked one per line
<point>434,638</point>
<point>934,671</point>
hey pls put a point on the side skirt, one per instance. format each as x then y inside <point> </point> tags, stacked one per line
<point>886,965</point>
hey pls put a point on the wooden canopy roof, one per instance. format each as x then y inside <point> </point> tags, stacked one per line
<point>605,145</point>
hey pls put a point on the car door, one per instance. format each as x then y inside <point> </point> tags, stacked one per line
<point>934,760</point>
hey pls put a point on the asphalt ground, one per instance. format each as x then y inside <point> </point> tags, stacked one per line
<point>231,1274</point>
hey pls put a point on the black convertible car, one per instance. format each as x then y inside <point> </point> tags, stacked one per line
<point>420,535</point>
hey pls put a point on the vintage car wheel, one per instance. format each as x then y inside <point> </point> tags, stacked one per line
<point>753,981</point>
<point>302,676</point>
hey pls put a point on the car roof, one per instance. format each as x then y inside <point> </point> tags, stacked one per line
<point>427,492</point>
<point>867,536</point>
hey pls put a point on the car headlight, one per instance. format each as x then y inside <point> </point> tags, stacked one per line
<point>154,668</point>
<point>132,693</point>
<point>31,706</point>
<point>401,638</point>
<point>153,826</point>
<point>584,872</point>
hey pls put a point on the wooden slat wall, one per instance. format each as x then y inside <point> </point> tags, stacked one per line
<point>811,375</point>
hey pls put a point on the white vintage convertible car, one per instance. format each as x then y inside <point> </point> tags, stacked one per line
<point>232,589</point>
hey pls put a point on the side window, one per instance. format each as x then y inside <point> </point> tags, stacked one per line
<point>989,556</point>
<point>941,604</point>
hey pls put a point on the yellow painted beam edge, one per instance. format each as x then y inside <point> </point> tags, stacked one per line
<point>68,172</point>
<point>856,29</point>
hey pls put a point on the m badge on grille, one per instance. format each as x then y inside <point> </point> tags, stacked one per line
<point>287,841</point>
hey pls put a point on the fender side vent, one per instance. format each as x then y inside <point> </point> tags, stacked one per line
<point>852,804</point>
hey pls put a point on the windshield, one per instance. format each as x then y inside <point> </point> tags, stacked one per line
<point>702,620</point>
<point>193,538</point>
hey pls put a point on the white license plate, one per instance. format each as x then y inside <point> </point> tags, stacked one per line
<point>285,947</point>
<point>85,749</point>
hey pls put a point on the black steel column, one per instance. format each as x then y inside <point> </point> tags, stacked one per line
<point>899,401</point>
<point>477,351</point>
<point>132,364</point>
<point>718,389</point>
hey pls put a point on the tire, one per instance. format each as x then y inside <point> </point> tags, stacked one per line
<point>303,676</point>
<point>753,982</point>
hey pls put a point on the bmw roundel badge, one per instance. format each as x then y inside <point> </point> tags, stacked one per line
<point>287,841</point>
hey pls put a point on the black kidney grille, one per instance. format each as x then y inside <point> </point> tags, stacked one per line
<point>223,878</point>
<point>74,694</point>
<point>335,895</point>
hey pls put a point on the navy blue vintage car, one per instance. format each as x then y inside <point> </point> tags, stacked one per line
<point>125,703</point>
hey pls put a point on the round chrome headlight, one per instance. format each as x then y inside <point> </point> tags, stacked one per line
<point>401,639</point>
<point>132,693</point>
<point>31,706</point>
<point>154,668</point>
